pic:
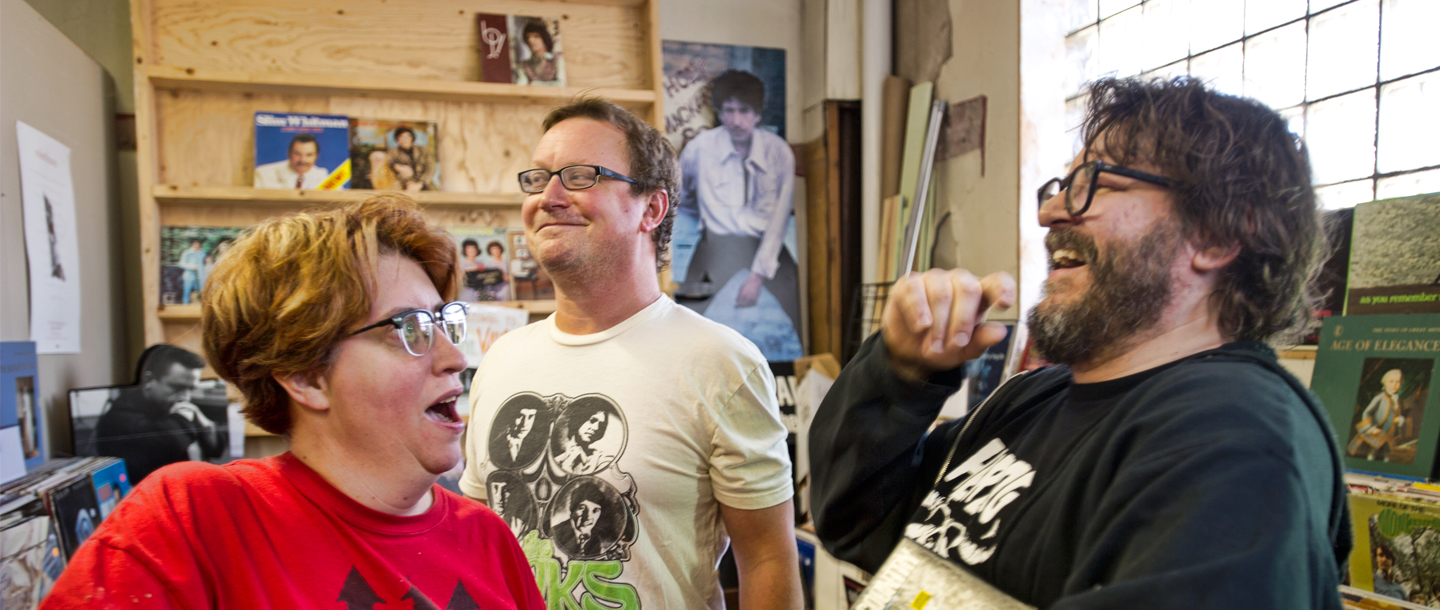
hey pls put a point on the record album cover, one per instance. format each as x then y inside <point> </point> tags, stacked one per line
<point>1374,376</point>
<point>301,151</point>
<point>391,155</point>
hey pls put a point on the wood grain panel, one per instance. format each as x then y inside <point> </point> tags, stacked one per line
<point>430,39</point>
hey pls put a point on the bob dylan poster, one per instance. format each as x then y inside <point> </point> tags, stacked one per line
<point>1389,407</point>
<point>733,252</point>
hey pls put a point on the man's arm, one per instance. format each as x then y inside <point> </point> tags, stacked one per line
<point>871,459</point>
<point>765,556</point>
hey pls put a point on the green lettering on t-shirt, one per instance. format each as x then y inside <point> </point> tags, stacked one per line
<point>600,588</point>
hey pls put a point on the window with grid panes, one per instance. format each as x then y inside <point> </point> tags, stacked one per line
<point>1359,80</point>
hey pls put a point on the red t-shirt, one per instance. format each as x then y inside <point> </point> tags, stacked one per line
<point>272,533</point>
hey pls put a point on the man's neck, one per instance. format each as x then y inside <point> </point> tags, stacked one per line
<point>1178,334</point>
<point>584,308</point>
<point>379,486</point>
<point>588,303</point>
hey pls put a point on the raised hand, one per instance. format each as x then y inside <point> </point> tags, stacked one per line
<point>935,321</point>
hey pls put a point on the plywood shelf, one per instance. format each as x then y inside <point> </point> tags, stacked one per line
<point>191,313</point>
<point>330,85</point>
<point>244,195</point>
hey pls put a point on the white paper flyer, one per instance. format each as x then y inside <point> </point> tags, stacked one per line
<point>50,242</point>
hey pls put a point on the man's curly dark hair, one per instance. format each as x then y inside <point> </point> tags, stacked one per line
<point>1238,177</point>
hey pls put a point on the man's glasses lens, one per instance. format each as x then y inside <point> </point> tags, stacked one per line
<point>534,181</point>
<point>574,177</point>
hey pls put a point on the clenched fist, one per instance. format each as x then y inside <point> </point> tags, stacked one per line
<point>935,321</point>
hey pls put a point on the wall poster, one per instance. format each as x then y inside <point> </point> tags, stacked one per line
<point>733,249</point>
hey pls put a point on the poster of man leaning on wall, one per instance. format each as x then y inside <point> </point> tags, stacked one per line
<point>733,249</point>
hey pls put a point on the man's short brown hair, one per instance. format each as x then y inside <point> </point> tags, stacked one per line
<point>1238,177</point>
<point>295,285</point>
<point>653,165</point>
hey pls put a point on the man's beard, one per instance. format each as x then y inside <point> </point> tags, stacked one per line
<point>1129,288</point>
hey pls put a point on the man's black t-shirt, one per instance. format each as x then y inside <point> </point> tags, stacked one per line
<point>1213,481</point>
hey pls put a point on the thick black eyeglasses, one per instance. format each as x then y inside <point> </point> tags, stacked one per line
<point>573,177</point>
<point>1086,175</point>
<point>417,326</point>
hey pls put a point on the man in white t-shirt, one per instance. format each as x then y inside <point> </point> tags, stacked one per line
<point>297,171</point>
<point>654,438</point>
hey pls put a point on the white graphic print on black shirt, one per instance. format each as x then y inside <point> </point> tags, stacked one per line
<point>958,519</point>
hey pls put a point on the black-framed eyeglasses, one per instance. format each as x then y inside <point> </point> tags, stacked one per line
<point>417,326</point>
<point>1084,178</point>
<point>573,177</point>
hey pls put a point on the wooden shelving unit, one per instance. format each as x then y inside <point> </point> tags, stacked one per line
<point>203,68</point>
<point>191,313</point>
<point>176,78</point>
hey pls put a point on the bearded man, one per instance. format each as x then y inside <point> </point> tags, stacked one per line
<point>1165,460</point>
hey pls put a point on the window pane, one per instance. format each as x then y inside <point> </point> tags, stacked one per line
<point>1295,120</point>
<point>1343,47</point>
<point>1407,42</point>
<point>1261,15</point>
<point>1320,5</point>
<point>1167,28</point>
<point>1275,66</point>
<point>1341,135</point>
<point>1074,115</point>
<point>1179,68</point>
<point>1221,69</point>
<point>1112,7</point>
<point>1409,123</point>
<point>1404,185</point>
<point>1345,195</point>
<point>1082,56</point>
<point>1216,24</point>
<point>1120,43</point>
<point>1080,14</point>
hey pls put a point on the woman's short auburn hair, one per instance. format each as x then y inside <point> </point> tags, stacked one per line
<point>294,286</point>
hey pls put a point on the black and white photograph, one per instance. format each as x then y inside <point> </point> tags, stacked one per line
<point>517,435</point>
<point>587,517</point>
<point>169,415</point>
<point>510,498</point>
<point>588,435</point>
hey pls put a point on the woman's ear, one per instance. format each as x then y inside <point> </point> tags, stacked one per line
<point>308,389</point>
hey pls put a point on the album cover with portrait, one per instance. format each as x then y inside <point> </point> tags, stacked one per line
<point>1374,376</point>
<point>529,282</point>
<point>187,256</point>
<point>485,263</point>
<point>520,49</point>
<point>391,155</point>
<point>302,151</point>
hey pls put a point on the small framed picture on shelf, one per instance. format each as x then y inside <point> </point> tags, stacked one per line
<point>521,50</point>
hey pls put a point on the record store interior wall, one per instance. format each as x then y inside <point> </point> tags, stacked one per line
<point>51,84</point>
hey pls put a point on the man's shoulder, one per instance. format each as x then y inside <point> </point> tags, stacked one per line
<point>1229,394</point>
<point>702,336</point>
